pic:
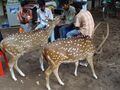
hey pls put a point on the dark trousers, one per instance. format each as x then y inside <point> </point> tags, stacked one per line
<point>61,31</point>
<point>1,37</point>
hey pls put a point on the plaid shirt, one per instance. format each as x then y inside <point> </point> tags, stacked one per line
<point>85,22</point>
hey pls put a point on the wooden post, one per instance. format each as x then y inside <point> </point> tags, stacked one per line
<point>93,4</point>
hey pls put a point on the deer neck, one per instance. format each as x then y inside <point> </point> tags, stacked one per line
<point>50,29</point>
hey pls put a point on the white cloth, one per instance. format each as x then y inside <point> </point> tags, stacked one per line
<point>44,16</point>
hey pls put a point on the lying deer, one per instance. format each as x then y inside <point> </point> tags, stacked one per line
<point>18,44</point>
<point>67,51</point>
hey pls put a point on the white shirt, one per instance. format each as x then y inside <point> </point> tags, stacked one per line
<point>44,16</point>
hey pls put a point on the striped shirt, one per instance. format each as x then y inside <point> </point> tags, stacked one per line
<point>85,22</point>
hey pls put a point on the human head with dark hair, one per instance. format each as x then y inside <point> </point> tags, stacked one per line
<point>23,4</point>
<point>41,4</point>
<point>78,6</point>
<point>65,4</point>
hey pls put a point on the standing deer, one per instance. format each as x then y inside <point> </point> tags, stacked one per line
<point>67,51</point>
<point>18,44</point>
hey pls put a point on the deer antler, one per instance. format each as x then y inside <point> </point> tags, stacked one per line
<point>100,46</point>
<point>96,28</point>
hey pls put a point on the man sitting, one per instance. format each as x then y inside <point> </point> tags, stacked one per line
<point>25,17</point>
<point>44,15</point>
<point>84,23</point>
<point>66,23</point>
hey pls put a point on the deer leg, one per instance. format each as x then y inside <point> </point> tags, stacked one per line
<point>41,63</point>
<point>47,74</point>
<point>76,68</point>
<point>57,76</point>
<point>90,61</point>
<point>41,60</point>
<point>17,69</point>
<point>11,65</point>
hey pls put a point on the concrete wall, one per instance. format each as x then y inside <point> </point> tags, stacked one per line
<point>89,4</point>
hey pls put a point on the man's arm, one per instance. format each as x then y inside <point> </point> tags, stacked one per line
<point>77,21</point>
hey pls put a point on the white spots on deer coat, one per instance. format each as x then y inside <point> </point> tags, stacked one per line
<point>18,43</point>
<point>69,49</point>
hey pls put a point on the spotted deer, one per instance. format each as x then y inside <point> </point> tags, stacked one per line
<point>67,51</point>
<point>18,44</point>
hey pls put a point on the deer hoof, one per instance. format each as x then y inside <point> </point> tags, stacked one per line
<point>43,69</point>
<point>95,76</point>
<point>61,83</point>
<point>23,75</point>
<point>48,87</point>
<point>14,78</point>
<point>75,74</point>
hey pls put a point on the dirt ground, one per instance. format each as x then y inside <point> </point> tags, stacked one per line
<point>107,66</point>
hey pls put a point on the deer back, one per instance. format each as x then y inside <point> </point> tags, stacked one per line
<point>69,50</point>
<point>20,43</point>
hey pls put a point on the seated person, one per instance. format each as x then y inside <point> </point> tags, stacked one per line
<point>43,15</point>
<point>25,17</point>
<point>84,23</point>
<point>66,23</point>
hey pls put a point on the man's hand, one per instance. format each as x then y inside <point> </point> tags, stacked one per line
<point>29,18</point>
<point>47,18</point>
<point>61,22</point>
<point>38,21</point>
